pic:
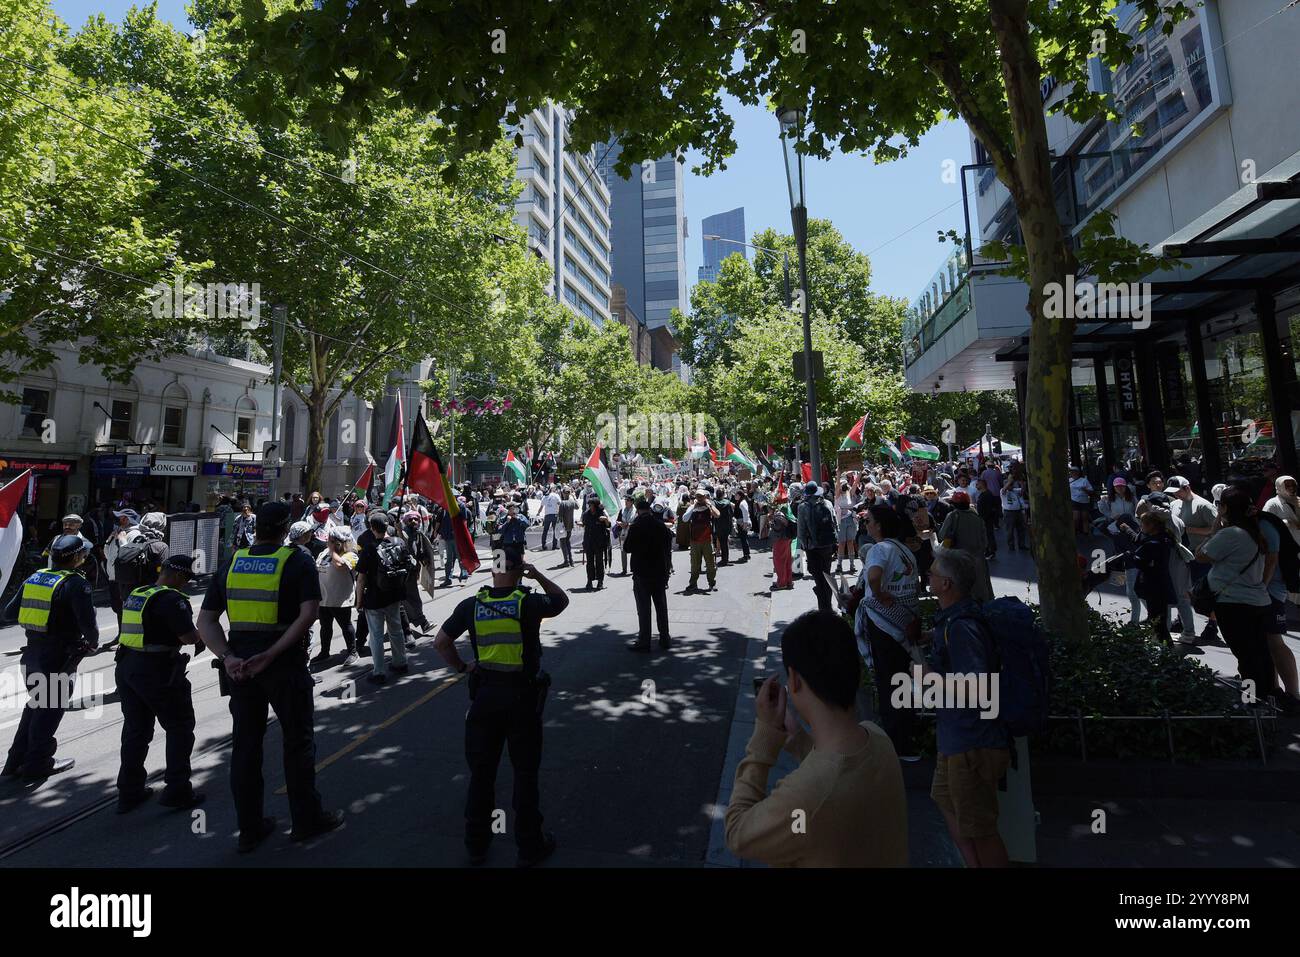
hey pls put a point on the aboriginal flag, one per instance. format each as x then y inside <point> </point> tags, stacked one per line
<point>427,476</point>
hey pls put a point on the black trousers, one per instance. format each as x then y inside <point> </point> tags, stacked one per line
<point>566,547</point>
<point>819,566</point>
<point>596,567</point>
<point>285,686</point>
<point>548,524</point>
<point>721,537</point>
<point>49,670</point>
<point>890,659</point>
<point>646,592</point>
<point>1242,627</point>
<point>743,536</point>
<point>503,715</point>
<point>343,616</point>
<point>154,687</point>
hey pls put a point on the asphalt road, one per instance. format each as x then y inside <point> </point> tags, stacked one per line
<point>629,774</point>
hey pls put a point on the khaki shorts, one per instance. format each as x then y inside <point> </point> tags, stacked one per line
<point>966,786</point>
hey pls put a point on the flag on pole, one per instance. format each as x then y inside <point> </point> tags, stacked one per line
<point>362,488</point>
<point>853,440</point>
<point>700,447</point>
<point>765,461</point>
<point>890,449</point>
<point>428,477</point>
<point>734,454</point>
<point>918,449</point>
<point>666,460</point>
<point>515,468</point>
<point>529,461</point>
<point>11,525</point>
<point>396,458</point>
<point>806,471</point>
<point>780,492</point>
<point>598,476</point>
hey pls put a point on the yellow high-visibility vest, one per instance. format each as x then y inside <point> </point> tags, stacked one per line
<point>133,618</point>
<point>498,630</point>
<point>38,598</point>
<point>253,589</point>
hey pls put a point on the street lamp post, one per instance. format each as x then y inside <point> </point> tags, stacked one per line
<point>791,120</point>
<point>783,253</point>
<point>280,316</point>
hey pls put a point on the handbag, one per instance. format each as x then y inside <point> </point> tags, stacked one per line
<point>1203,596</point>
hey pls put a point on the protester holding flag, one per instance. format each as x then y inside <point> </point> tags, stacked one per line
<point>784,529</point>
<point>427,476</point>
<point>595,541</point>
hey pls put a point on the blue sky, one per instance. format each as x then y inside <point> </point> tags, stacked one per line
<point>887,211</point>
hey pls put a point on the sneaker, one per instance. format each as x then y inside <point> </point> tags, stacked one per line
<point>1188,639</point>
<point>534,857</point>
<point>349,660</point>
<point>250,841</point>
<point>126,803</point>
<point>1210,633</point>
<point>377,679</point>
<point>665,643</point>
<point>638,646</point>
<point>364,651</point>
<point>328,821</point>
<point>410,645</point>
<point>1177,625</point>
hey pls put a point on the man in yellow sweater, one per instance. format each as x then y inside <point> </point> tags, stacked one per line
<point>844,805</point>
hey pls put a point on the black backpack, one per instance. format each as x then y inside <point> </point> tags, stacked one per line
<point>1288,553</point>
<point>823,523</point>
<point>131,567</point>
<point>394,564</point>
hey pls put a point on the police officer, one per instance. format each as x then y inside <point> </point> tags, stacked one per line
<point>270,593</point>
<point>151,680</point>
<point>507,691</point>
<point>54,608</point>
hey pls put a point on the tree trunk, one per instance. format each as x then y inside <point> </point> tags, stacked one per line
<point>316,420</point>
<point>1048,393</point>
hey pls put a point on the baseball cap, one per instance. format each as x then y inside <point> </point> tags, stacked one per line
<point>270,516</point>
<point>180,563</point>
<point>960,498</point>
<point>66,546</point>
<point>1177,482</point>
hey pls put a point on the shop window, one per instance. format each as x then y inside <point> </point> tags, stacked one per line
<point>35,410</point>
<point>119,429</point>
<point>173,430</point>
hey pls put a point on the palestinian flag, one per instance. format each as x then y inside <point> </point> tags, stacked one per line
<point>917,449</point>
<point>598,476</point>
<point>515,470</point>
<point>11,526</point>
<point>427,476</point>
<point>665,460</point>
<point>528,460</point>
<point>396,458</point>
<point>734,454</point>
<point>362,488</point>
<point>700,447</point>
<point>853,440</point>
<point>765,461</point>
<point>890,449</point>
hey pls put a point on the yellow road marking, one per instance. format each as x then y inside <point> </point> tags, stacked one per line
<point>366,736</point>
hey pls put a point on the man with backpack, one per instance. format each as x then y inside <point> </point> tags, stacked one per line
<point>816,532</point>
<point>973,750</point>
<point>382,571</point>
<point>139,558</point>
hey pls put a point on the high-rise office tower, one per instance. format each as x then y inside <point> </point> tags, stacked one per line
<point>729,225</point>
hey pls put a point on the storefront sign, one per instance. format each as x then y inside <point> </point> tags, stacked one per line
<point>1126,387</point>
<point>120,465</point>
<point>245,470</point>
<point>173,467</point>
<point>38,466</point>
<point>1171,381</point>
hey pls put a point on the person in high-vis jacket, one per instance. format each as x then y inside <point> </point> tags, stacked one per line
<point>55,610</point>
<point>152,684</point>
<point>507,691</point>
<point>270,594</point>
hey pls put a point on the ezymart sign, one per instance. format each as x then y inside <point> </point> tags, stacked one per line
<point>174,467</point>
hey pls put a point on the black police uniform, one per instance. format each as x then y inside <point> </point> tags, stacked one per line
<point>49,662</point>
<point>285,686</point>
<point>506,708</point>
<point>152,684</point>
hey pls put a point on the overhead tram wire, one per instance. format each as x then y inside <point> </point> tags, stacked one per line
<point>250,206</point>
<point>249,143</point>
